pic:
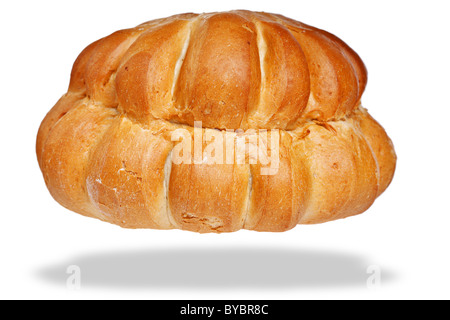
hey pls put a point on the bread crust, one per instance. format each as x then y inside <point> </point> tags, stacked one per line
<point>105,149</point>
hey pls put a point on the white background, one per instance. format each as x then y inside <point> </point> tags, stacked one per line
<point>405,234</point>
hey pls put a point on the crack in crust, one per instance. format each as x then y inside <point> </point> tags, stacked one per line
<point>129,92</point>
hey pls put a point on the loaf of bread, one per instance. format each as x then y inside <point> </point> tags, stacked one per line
<point>116,146</point>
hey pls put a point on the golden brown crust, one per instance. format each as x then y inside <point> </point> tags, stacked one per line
<point>105,149</point>
<point>65,154</point>
<point>382,147</point>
